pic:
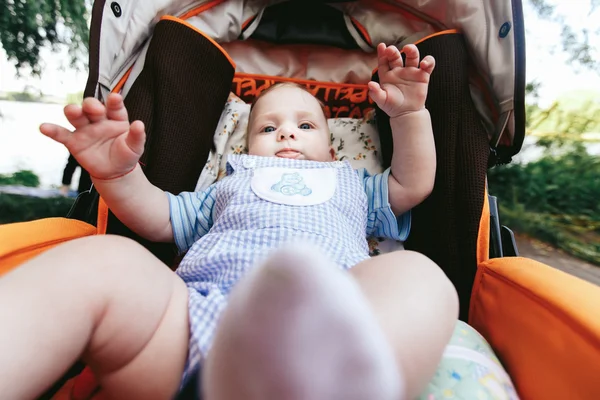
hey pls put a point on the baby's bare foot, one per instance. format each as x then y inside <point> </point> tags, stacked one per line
<point>299,328</point>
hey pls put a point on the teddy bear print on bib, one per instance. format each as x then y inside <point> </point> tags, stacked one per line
<point>294,187</point>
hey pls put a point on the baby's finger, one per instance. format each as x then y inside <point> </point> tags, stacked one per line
<point>136,137</point>
<point>75,116</point>
<point>394,57</point>
<point>115,108</point>
<point>382,59</point>
<point>378,95</point>
<point>412,55</point>
<point>56,132</point>
<point>93,109</point>
<point>428,64</point>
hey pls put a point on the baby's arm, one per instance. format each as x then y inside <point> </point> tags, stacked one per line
<point>109,148</point>
<point>141,206</point>
<point>402,95</point>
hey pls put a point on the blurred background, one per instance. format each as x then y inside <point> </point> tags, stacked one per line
<point>549,195</point>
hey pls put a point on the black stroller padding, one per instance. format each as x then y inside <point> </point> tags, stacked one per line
<point>179,95</point>
<point>445,226</point>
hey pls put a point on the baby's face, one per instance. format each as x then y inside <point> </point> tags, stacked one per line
<point>289,123</point>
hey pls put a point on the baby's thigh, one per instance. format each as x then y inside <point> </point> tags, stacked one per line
<point>404,265</point>
<point>155,369</point>
<point>401,276</point>
<point>139,345</point>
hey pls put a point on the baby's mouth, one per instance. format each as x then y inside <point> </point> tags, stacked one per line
<point>288,153</point>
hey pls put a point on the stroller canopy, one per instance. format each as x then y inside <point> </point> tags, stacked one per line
<point>343,35</point>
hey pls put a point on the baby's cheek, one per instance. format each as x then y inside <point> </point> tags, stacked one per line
<point>251,143</point>
<point>258,147</point>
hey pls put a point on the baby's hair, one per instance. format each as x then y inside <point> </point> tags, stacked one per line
<point>276,86</point>
<point>286,84</point>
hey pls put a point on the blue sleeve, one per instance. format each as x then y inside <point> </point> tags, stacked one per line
<point>191,216</point>
<point>381,221</point>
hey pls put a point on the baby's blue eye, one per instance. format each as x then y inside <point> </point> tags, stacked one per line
<point>305,126</point>
<point>269,129</point>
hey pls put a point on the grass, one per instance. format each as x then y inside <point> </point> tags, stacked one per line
<point>576,235</point>
<point>16,208</point>
<point>24,178</point>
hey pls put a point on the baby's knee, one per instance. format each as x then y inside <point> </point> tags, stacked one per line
<point>102,247</point>
<point>93,255</point>
<point>431,276</point>
<point>104,242</point>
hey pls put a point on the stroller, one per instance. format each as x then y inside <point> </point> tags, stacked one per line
<point>189,69</point>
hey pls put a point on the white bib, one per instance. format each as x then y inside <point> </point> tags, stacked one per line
<point>294,187</point>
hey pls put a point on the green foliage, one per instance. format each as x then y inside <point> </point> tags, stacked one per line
<point>26,26</point>
<point>575,41</point>
<point>573,115</point>
<point>23,178</point>
<point>555,198</point>
<point>29,94</point>
<point>565,184</point>
<point>22,96</point>
<point>577,237</point>
<point>15,208</point>
<point>75,98</point>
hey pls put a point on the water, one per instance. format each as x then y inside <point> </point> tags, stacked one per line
<point>22,146</point>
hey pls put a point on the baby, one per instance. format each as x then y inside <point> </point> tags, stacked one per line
<point>276,297</point>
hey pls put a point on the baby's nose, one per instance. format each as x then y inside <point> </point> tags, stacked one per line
<point>286,133</point>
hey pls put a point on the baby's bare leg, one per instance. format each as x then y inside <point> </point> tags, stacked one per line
<point>104,299</point>
<point>416,306</point>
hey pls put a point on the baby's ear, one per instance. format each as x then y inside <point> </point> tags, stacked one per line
<point>332,152</point>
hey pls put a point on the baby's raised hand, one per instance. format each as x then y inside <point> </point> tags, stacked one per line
<point>104,142</point>
<point>402,87</point>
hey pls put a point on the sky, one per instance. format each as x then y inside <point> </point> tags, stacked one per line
<point>547,67</point>
<point>550,67</point>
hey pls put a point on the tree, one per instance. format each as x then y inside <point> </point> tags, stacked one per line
<point>565,123</point>
<point>576,43</point>
<point>26,26</point>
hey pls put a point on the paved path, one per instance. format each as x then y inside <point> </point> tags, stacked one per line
<point>546,254</point>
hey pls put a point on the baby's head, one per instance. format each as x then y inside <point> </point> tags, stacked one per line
<point>287,121</point>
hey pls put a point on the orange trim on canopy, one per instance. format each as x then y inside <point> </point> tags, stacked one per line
<point>217,45</point>
<point>362,30</point>
<point>247,22</point>
<point>122,81</point>
<point>446,32</point>
<point>102,221</point>
<point>483,237</point>
<point>201,9</point>
<point>187,15</point>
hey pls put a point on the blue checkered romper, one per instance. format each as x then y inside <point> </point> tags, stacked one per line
<point>229,228</point>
